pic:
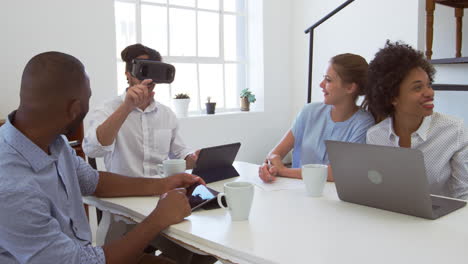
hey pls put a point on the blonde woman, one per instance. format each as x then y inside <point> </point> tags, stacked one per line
<point>336,118</point>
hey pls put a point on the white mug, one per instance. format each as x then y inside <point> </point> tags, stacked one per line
<point>170,167</point>
<point>314,177</point>
<point>239,196</point>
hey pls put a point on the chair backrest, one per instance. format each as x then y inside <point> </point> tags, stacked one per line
<point>92,163</point>
<point>76,139</point>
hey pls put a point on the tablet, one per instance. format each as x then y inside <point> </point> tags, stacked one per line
<point>215,163</point>
<point>200,195</point>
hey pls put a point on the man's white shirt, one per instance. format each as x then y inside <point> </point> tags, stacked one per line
<point>145,139</point>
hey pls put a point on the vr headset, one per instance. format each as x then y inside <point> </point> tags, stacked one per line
<point>159,72</point>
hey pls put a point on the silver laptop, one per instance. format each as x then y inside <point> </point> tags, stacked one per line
<point>388,178</point>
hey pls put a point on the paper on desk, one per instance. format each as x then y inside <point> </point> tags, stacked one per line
<point>280,183</point>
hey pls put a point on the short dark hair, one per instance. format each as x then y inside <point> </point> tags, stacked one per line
<point>386,72</point>
<point>135,50</point>
<point>52,74</point>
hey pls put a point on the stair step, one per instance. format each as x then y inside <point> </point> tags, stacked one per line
<point>450,87</point>
<point>458,60</point>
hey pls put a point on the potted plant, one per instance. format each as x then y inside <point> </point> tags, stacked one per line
<point>181,102</point>
<point>247,97</point>
<point>210,106</point>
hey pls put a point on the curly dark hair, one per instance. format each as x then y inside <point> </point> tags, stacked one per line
<point>386,72</point>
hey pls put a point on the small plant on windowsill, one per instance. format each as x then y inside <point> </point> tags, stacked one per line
<point>181,96</point>
<point>210,106</point>
<point>247,97</point>
<point>181,103</point>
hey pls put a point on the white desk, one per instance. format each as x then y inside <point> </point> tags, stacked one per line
<point>288,227</point>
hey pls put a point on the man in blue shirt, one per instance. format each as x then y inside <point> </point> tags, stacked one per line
<point>42,218</point>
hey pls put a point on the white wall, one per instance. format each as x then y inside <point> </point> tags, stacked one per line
<point>85,29</point>
<point>362,28</point>
<point>82,28</point>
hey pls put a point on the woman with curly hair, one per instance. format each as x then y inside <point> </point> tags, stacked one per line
<point>337,118</point>
<point>400,96</point>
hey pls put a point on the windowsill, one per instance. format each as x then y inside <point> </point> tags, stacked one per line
<point>221,113</point>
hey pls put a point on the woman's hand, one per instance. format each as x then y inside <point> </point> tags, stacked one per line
<point>264,173</point>
<point>276,165</point>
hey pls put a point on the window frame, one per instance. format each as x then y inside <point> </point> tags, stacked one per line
<point>242,44</point>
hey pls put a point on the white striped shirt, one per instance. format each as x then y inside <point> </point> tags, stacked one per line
<point>444,142</point>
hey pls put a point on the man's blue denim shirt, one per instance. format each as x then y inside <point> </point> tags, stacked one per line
<point>42,219</point>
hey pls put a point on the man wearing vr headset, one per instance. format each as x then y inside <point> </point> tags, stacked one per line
<point>134,133</point>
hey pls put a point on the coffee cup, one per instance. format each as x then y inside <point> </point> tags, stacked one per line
<point>170,167</point>
<point>314,177</point>
<point>239,197</point>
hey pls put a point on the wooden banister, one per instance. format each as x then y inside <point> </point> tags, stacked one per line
<point>459,6</point>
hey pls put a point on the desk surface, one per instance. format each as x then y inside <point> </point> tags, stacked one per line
<point>286,226</point>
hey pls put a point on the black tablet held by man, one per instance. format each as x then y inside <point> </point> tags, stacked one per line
<point>215,163</point>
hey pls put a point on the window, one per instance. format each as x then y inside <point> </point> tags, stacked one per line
<point>204,39</point>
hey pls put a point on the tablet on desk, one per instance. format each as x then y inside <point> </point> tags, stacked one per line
<point>201,196</point>
<point>215,163</point>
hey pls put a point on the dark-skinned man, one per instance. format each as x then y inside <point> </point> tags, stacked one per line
<point>42,218</point>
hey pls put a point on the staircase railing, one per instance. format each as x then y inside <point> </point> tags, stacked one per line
<point>311,44</point>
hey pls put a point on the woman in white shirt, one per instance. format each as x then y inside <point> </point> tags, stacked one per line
<point>401,99</point>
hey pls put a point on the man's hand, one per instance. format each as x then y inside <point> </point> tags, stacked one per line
<point>191,159</point>
<point>182,180</point>
<point>138,94</point>
<point>172,208</point>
